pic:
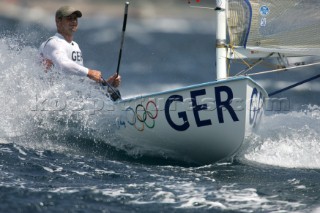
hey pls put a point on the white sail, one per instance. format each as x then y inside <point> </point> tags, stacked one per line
<point>238,20</point>
<point>282,26</point>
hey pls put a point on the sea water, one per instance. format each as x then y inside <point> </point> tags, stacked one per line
<point>59,154</point>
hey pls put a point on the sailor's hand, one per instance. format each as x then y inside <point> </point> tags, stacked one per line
<point>114,80</point>
<point>95,75</point>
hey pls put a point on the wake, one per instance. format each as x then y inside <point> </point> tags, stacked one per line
<point>287,140</point>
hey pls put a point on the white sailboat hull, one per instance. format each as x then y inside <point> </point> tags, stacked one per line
<point>202,123</point>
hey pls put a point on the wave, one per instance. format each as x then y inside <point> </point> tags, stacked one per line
<point>288,140</point>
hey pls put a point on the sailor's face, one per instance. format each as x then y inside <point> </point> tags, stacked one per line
<point>69,24</point>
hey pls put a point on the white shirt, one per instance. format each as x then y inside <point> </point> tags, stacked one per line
<point>64,55</point>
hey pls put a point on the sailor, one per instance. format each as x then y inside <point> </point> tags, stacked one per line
<point>63,53</point>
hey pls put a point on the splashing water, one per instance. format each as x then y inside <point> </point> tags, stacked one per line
<point>38,106</point>
<point>288,140</point>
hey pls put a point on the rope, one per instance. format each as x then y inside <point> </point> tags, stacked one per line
<point>237,56</point>
<point>294,85</point>
<point>284,69</point>
<point>250,67</point>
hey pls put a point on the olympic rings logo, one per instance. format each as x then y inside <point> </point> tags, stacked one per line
<point>142,117</point>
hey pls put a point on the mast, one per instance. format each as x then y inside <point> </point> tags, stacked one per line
<point>221,37</point>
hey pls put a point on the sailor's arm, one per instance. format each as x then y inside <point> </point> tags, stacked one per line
<point>61,61</point>
<point>59,58</point>
<point>94,75</point>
